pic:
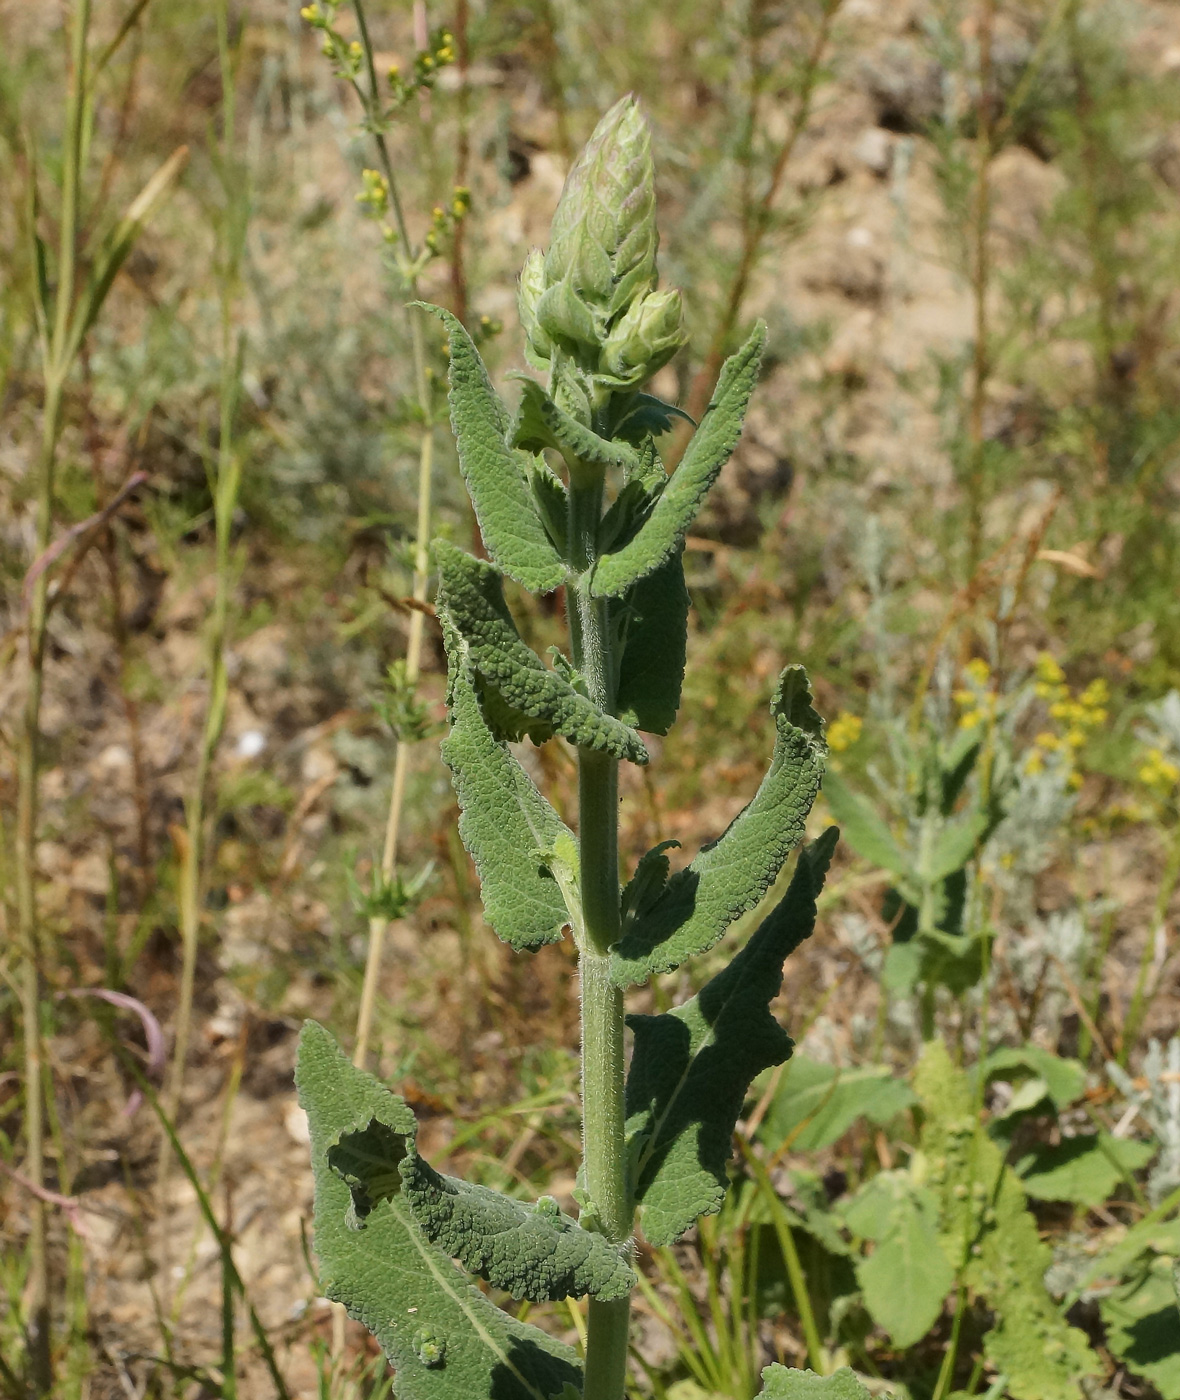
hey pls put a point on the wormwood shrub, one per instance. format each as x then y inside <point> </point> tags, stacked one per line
<point>656,1137</point>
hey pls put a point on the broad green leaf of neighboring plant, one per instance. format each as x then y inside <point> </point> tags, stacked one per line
<point>655,644</point>
<point>1084,1169</point>
<point>907,1277</point>
<point>1061,1081</point>
<point>497,476</point>
<point>782,1383</point>
<point>815,1103</point>
<point>982,1207</point>
<point>868,835</point>
<point>532,699</point>
<point>446,1340</point>
<point>731,874</point>
<point>1142,1327</point>
<point>506,824</point>
<point>955,844</point>
<point>693,1065</point>
<point>540,423</point>
<point>707,452</point>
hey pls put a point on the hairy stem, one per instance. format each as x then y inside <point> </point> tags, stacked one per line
<point>603,1065</point>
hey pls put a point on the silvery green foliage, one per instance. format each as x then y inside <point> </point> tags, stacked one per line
<point>389,1227</point>
<point>1158,1104</point>
<point>1163,727</point>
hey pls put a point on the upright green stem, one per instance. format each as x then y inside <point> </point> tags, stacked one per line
<point>26,900</point>
<point>603,1067</point>
<point>401,764</point>
<point>55,343</point>
<point>231,238</point>
<point>980,280</point>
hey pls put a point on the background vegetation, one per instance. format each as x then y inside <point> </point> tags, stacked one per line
<point>955,502</point>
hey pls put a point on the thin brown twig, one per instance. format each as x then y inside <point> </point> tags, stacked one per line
<point>757,218</point>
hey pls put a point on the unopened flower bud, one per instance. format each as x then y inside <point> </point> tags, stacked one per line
<point>566,319</point>
<point>538,346</point>
<point>603,239</point>
<point>644,338</point>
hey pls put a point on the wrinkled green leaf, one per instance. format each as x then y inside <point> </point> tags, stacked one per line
<point>530,1251</point>
<point>693,1065</point>
<point>782,1383</point>
<point>1083,1169</point>
<point>540,423</point>
<point>506,824</point>
<point>497,476</point>
<point>707,453</point>
<point>731,874</point>
<point>907,1276</point>
<point>446,1340</point>
<point>534,700</point>
<point>816,1103</point>
<point>655,645</point>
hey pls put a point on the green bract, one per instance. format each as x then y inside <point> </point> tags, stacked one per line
<point>569,490</point>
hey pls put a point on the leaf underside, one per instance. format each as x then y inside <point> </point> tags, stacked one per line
<point>446,1340</point>
<point>505,823</point>
<point>533,699</point>
<point>692,1066</point>
<point>731,875</point>
<point>707,452</point>
<point>497,476</point>
<point>651,670</point>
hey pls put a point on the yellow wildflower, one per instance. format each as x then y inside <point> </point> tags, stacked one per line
<point>1096,693</point>
<point>978,670</point>
<point>1159,771</point>
<point>1048,670</point>
<point>844,731</point>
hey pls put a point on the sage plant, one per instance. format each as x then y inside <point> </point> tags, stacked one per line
<point>609,528</point>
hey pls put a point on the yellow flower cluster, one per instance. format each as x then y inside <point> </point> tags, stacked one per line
<point>844,731</point>
<point>1159,772</point>
<point>374,193</point>
<point>976,700</point>
<point>442,220</point>
<point>1075,716</point>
